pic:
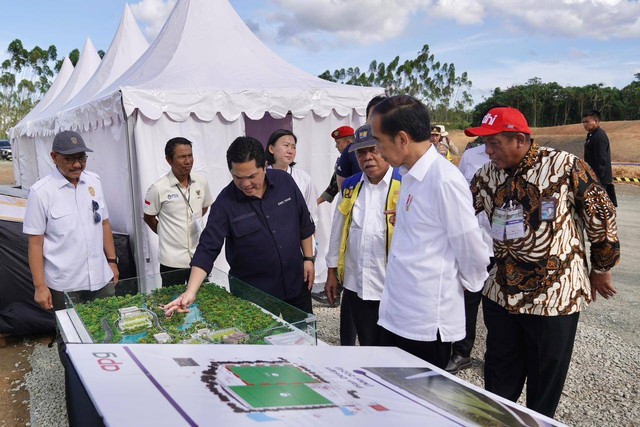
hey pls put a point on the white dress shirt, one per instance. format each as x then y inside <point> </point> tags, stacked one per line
<point>366,254</point>
<point>73,247</point>
<point>437,252</point>
<point>472,160</point>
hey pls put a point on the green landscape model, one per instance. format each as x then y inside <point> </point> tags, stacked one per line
<point>216,317</point>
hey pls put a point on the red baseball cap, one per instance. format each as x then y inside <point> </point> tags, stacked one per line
<point>342,132</point>
<point>498,120</point>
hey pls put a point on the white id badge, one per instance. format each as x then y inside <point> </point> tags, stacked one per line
<point>515,224</point>
<point>498,222</point>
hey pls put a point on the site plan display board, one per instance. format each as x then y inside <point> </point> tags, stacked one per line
<point>234,385</point>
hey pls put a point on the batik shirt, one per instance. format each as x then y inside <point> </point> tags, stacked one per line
<point>546,272</point>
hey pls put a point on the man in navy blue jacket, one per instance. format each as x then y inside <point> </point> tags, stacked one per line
<point>263,221</point>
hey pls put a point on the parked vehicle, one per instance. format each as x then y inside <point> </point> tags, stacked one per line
<point>5,150</point>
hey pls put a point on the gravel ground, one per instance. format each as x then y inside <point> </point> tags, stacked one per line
<point>46,388</point>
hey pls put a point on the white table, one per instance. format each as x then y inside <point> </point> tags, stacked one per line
<point>246,385</point>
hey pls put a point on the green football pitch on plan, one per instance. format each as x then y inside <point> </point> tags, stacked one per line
<point>280,396</point>
<point>259,375</point>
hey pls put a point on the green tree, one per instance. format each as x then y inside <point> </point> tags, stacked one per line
<point>24,78</point>
<point>445,93</point>
<point>549,104</point>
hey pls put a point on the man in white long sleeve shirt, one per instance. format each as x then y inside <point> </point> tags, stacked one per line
<point>472,160</point>
<point>437,251</point>
<point>361,235</point>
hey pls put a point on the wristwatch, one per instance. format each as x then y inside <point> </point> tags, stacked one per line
<point>595,270</point>
<point>112,260</point>
<point>309,258</point>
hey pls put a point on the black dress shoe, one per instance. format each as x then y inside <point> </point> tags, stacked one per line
<point>458,363</point>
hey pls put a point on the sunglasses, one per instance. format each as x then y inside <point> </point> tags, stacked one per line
<point>96,215</point>
<point>72,160</point>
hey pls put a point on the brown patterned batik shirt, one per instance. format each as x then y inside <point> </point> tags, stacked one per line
<point>546,272</point>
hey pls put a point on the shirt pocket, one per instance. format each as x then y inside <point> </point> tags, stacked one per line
<point>61,220</point>
<point>245,225</point>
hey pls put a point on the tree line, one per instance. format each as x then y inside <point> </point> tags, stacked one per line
<point>549,104</point>
<point>438,85</point>
<point>446,94</point>
<point>25,76</point>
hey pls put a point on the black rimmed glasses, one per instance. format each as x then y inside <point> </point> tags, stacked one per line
<point>94,207</point>
<point>363,152</point>
<point>71,160</point>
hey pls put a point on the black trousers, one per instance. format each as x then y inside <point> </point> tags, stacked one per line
<point>435,352</point>
<point>471,304</point>
<point>302,301</point>
<point>611,192</point>
<point>365,317</point>
<point>347,326</point>
<point>527,347</point>
<point>174,276</point>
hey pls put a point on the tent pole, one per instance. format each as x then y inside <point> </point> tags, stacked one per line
<point>138,242</point>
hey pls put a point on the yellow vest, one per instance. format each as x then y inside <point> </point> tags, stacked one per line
<point>350,191</point>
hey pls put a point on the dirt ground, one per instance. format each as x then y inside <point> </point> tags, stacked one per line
<point>6,173</point>
<point>622,313</point>
<point>14,365</point>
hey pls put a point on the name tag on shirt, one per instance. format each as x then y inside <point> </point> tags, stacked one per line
<point>498,222</point>
<point>514,229</point>
<point>507,224</point>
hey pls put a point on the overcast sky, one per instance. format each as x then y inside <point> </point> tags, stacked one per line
<point>499,43</point>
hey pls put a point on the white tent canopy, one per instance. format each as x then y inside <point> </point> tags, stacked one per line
<point>204,77</point>
<point>127,46</point>
<point>25,168</point>
<point>85,68</point>
<point>56,87</point>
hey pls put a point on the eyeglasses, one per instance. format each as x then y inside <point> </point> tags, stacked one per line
<point>95,206</point>
<point>362,152</point>
<point>72,160</point>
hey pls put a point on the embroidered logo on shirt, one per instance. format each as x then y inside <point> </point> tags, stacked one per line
<point>92,192</point>
<point>347,192</point>
<point>197,192</point>
<point>148,203</point>
<point>282,202</point>
<point>173,196</point>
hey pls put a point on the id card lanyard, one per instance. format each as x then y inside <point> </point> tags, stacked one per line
<point>507,222</point>
<point>195,220</point>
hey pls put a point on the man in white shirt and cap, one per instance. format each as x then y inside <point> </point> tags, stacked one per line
<point>437,250</point>
<point>70,241</point>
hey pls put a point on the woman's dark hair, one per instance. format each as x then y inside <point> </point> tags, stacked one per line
<point>272,140</point>
<point>243,149</point>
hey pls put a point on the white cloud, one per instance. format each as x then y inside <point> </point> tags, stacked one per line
<point>352,21</point>
<point>152,14</point>
<point>372,21</point>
